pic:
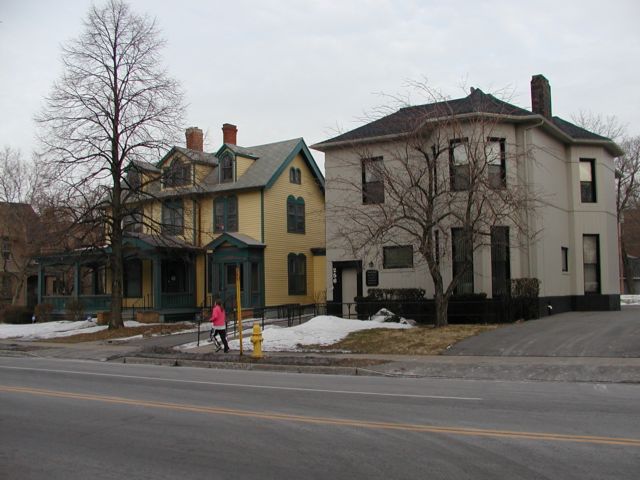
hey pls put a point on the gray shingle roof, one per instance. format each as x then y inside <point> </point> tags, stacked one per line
<point>198,157</point>
<point>409,119</point>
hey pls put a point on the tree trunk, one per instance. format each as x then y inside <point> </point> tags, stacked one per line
<point>442,308</point>
<point>115,320</point>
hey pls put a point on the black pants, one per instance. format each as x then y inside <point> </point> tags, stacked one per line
<point>223,338</point>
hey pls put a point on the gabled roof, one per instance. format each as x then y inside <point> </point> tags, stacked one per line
<point>409,119</point>
<point>193,155</point>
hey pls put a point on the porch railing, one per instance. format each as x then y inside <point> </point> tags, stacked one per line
<point>177,300</point>
<point>89,302</point>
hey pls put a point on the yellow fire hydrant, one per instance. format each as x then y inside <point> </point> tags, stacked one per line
<point>256,339</point>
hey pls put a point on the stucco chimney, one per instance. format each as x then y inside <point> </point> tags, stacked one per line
<point>541,96</point>
<point>229,133</point>
<point>195,140</point>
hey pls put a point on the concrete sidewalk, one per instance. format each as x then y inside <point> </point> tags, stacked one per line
<point>158,350</point>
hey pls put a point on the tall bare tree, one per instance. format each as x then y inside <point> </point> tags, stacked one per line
<point>428,185</point>
<point>627,176</point>
<point>114,104</point>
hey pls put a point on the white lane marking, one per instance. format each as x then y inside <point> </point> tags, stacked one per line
<point>242,385</point>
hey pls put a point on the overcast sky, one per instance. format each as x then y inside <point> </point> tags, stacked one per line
<point>281,69</point>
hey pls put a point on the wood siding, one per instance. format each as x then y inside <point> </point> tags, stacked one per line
<point>280,243</point>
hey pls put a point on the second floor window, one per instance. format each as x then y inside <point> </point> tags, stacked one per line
<point>172,217</point>
<point>226,168</point>
<point>372,180</point>
<point>132,222</point>
<point>459,164</point>
<point>587,180</point>
<point>295,215</point>
<point>225,214</point>
<point>496,162</point>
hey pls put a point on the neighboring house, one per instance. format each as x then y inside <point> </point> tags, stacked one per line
<point>198,215</point>
<point>570,170</point>
<point>17,272</point>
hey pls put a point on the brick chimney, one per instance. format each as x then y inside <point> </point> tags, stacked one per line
<point>541,96</point>
<point>195,140</point>
<point>229,133</point>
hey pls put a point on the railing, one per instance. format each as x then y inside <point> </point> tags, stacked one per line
<point>177,300</point>
<point>89,302</point>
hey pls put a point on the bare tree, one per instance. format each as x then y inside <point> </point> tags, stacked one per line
<point>20,181</point>
<point>114,105</point>
<point>627,176</point>
<point>431,191</point>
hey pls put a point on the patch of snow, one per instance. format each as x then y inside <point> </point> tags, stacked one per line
<point>45,330</point>
<point>630,299</point>
<point>321,330</point>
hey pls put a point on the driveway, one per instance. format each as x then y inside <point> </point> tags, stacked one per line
<point>573,334</point>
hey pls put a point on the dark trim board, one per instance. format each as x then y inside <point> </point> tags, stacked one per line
<point>579,303</point>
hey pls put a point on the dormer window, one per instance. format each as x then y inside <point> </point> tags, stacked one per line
<point>177,174</point>
<point>226,168</point>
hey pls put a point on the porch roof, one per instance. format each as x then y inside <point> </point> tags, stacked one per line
<point>238,240</point>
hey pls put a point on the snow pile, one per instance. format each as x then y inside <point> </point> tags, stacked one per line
<point>39,331</point>
<point>630,299</point>
<point>383,315</point>
<point>322,330</point>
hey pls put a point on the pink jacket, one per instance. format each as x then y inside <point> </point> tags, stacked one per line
<point>218,316</point>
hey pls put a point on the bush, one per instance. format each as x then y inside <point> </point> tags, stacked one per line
<point>524,298</point>
<point>16,314</point>
<point>43,312</point>
<point>74,309</point>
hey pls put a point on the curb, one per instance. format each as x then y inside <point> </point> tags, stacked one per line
<point>265,367</point>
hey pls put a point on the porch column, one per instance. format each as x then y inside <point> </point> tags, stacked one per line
<point>76,280</point>
<point>40,281</point>
<point>157,282</point>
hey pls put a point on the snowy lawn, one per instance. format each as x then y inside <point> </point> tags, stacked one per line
<point>322,330</point>
<point>39,331</point>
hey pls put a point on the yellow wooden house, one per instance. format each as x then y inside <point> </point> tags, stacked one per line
<point>200,215</point>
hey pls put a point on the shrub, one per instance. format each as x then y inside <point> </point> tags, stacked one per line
<point>74,309</point>
<point>524,298</point>
<point>43,312</point>
<point>16,314</point>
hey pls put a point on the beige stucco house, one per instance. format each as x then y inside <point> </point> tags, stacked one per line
<point>570,244</point>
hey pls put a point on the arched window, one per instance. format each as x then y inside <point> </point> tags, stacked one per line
<point>226,168</point>
<point>295,215</point>
<point>177,174</point>
<point>295,175</point>
<point>225,214</point>
<point>297,273</point>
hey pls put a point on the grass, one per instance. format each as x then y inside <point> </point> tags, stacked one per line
<point>106,334</point>
<point>422,340</point>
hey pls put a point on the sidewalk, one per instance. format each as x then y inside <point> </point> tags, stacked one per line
<point>159,350</point>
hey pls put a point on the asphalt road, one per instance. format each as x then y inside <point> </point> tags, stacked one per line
<point>62,419</point>
<point>572,334</point>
